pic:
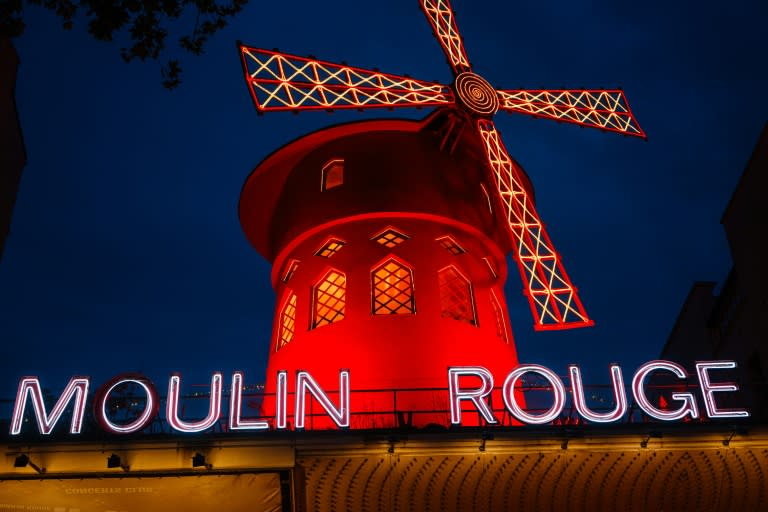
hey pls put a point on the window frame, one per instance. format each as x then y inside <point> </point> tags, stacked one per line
<point>403,264</point>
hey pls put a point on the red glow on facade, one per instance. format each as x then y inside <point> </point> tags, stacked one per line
<point>405,186</point>
<point>287,82</point>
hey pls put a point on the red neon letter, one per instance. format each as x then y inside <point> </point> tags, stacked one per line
<point>456,394</point>
<point>304,382</point>
<point>689,405</point>
<point>708,389</point>
<point>580,402</point>
<point>172,410</point>
<point>518,412</point>
<point>77,387</point>
<point>235,406</point>
<point>150,409</point>
<point>281,407</point>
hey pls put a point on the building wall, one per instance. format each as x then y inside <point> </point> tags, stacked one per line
<point>732,325</point>
<point>12,154</point>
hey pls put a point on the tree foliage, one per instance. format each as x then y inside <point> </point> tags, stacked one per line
<point>146,23</point>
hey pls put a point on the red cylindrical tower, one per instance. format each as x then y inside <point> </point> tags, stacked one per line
<point>388,260</point>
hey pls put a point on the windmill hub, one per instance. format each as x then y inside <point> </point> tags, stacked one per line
<point>476,94</point>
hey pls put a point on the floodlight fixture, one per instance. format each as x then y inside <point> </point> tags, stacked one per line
<point>115,461</point>
<point>198,460</point>
<point>23,460</point>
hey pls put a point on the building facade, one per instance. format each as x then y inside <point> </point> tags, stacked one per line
<point>731,324</point>
<point>12,153</point>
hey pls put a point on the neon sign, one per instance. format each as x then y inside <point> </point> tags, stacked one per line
<point>475,394</point>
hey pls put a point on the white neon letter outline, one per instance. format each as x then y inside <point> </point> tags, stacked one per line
<point>580,402</point>
<point>305,382</point>
<point>235,407</point>
<point>689,406</point>
<point>172,409</point>
<point>140,422</point>
<point>456,395</point>
<point>708,389</point>
<point>281,400</point>
<point>77,387</point>
<point>508,391</point>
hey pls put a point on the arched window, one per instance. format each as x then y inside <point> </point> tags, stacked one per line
<point>501,325</point>
<point>449,244</point>
<point>329,248</point>
<point>329,298</point>
<point>392,289</point>
<point>456,296</point>
<point>332,174</point>
<point>287,321</point>
<point>390,238</point>
<point>290,269</point>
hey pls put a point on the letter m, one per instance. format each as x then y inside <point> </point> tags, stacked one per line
<point>30,387</point>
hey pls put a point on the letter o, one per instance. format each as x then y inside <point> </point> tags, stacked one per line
<point>508,391</point>
<point>150,410</point>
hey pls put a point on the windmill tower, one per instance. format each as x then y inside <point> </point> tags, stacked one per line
<point>388,237</point>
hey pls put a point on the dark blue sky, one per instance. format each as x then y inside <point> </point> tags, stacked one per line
<point>126,252</point>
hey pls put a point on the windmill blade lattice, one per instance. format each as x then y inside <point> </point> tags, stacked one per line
<point>280,81</point>
<point>441,17</point>
<point>553,299</point>
<point>597,108</point>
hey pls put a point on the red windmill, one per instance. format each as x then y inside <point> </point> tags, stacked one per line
<point>284,212</point>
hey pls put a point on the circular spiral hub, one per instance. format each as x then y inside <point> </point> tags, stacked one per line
<point>476,94</point>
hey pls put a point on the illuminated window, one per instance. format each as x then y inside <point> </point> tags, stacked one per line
<point>456,296</point>
<point>332,175</point>
<point>329,248</point>
<point>390,238</point>
<point>501,325</point>
<point>392,289</point>
<point>287,322</point>
<point>329,299</point>
<point>487,197</point>
<point>491,267</point>
<point>290,269</point>
<point>451,245</point>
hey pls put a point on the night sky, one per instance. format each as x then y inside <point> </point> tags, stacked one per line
<point>126,253</point>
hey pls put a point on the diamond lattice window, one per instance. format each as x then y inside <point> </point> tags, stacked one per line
<point>329,248</point>
<point>390,238</point>
<point>393,289</point>
<point>456,296</point>
<point>290,269</point>
<point>332,175</point>
<point>330,299</point>
<point>287,322</point>
<point>451,245</point>
<point>501,326</point>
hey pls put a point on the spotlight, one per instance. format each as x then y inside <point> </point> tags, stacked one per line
<point>198,460</point>
<point>114,461</point>
<point>23,461</point>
